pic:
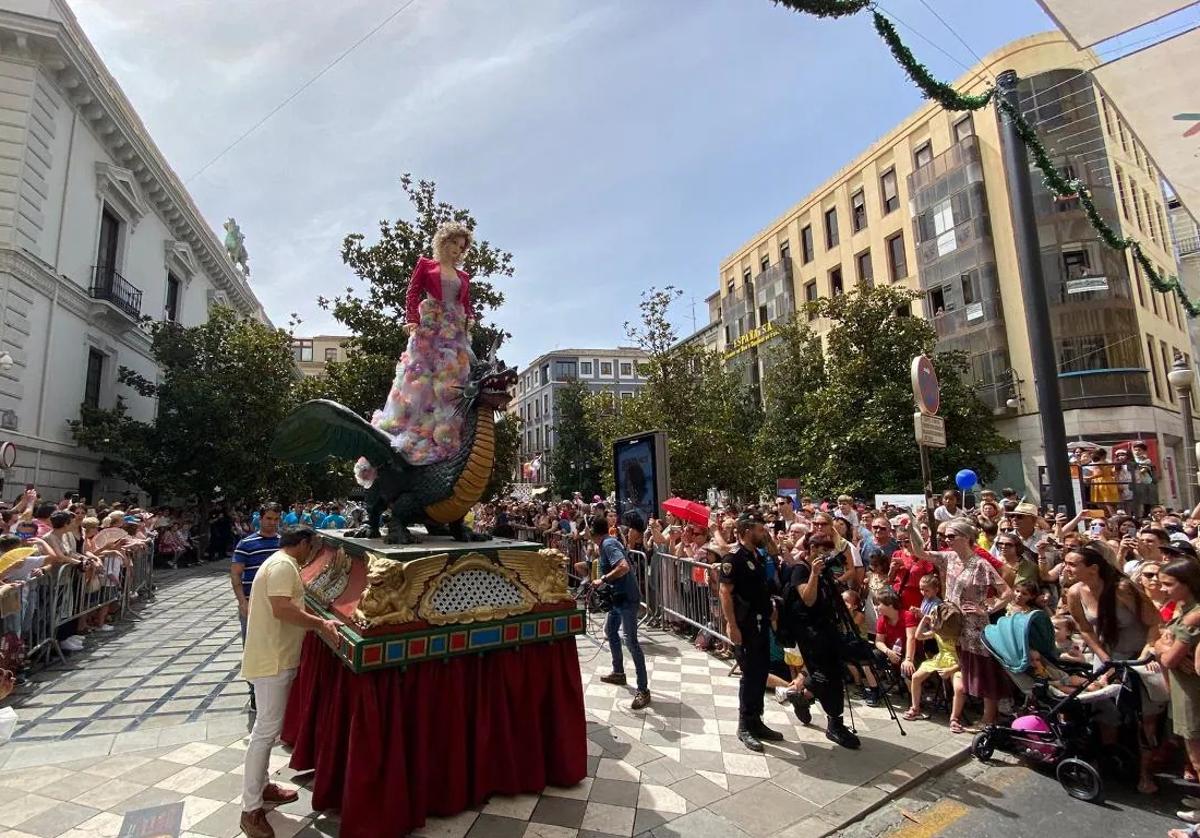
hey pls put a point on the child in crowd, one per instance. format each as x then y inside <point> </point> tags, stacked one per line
<point>943,624</point>
<point>1064,639</point>
<point>931,593</point>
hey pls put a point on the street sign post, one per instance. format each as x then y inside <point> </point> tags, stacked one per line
<point>928,427</point>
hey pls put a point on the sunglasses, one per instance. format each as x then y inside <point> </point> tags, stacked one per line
<point>1152,575</point>
<point>880,529</point>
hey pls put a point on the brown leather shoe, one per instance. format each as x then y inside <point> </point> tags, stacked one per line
<point>255,825</point>
<point>277,794</point>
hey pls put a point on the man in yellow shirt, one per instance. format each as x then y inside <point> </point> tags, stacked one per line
<point>275,628</point>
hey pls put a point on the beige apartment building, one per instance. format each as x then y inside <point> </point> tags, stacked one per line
<point>926,208</point>
<point>312,354</point>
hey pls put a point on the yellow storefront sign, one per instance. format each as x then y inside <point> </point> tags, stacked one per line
<point>752,338</point>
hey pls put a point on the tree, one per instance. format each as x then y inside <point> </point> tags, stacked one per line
<point>578,455</point>
<point>375,316</point>
<point>707,411</point>
<point>841,421</point>
<point>222,388</point>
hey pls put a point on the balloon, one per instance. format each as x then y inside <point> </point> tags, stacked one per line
<point>966,480</point>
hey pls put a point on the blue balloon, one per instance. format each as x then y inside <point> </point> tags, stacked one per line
<point>966,480</point>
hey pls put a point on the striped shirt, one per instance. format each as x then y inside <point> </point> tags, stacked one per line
<point>251,552</point>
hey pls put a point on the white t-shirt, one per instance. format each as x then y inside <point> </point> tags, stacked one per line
<point>943,514</point>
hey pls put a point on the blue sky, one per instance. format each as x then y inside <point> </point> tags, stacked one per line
<point>611,146</point>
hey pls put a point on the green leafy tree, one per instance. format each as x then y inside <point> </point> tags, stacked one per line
<point>577,459</point>
<point>707,411</point>
<point>841,420</point>
<point>223,386</point>
<point>375,314</point>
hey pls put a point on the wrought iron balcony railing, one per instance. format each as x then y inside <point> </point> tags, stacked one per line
<point>110,286</point>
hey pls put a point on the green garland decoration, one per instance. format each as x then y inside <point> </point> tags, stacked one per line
<point>938,91</point>
<point>950,99</point>
<point>826,8</point>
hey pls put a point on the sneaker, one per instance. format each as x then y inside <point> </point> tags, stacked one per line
<point>871,696</point>
<point>255,825</point>
<point>278,794</point>
<point>72,644</point>
<point>617,678</point>
<point>641,700</point>
<point>837,733</point>
<point>1190,816</point>
<point>782,694</point>
<point>749,740</point>
<point>803,708</point>
<point>764,733</point>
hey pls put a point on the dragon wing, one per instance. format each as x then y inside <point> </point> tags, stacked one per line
<point>322,428</point>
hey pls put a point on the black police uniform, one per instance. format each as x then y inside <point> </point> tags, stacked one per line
<point>752,608</point>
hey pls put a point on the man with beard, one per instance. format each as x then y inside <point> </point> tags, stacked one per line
<point>746,604</point>
<point>811,611</point>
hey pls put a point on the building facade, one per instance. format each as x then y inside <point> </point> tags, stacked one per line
<point>312,354</point>
<point>96,232</point>
<point>926,208</point>
<point>615,371</point>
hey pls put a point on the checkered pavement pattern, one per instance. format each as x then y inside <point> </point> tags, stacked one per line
<point>673,769</point>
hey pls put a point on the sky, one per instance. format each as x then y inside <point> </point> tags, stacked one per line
<point>611,146</point>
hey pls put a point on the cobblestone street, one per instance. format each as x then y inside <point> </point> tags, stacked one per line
<point>153,713</point>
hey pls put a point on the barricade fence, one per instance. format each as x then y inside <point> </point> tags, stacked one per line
<point>52,603</point>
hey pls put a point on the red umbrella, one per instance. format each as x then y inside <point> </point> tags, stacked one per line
<point>688,510</point>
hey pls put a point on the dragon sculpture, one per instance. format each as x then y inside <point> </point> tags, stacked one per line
<point>439,493</point>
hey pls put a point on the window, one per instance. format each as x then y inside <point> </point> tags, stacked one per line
<point>746,277</point>
<point>1121,193</point>
<point>923,156</point>
<point>545,377</point>
<point>626,395</point>
<point>831,228</point>
<point>606,368</point>
<point>765,262</point>
<point>937,301</point>
<point>171,310</point>
<point>1166,356</point>
<point>564,370</point>
<point>806,245</point>
<point>1076,263</point>
<point>897,261</point>
<point>967,282</point>
<point>1137,206</point>
<point>1162,225</point>
<point>1153,367</point>
<point>862,262</point>
<point>1137,155</point>
<point>887,189</point>
<point>585,367</point>
<point>1083,353</point>
<point>1169,306</point>
<point>302,349</point>
<point>729,284</point>
<point>1151,219</point>
<point>785,252</point>
<point>835,282</point>
<point>330,354</point>
<point>627,369</point>
<point>1121,136</point>
<point>1108,126</point>
<point>810,296</point>
<point>858,211</point>
<point>964,128</point>
<point>643,369</point>
<point>546,404</point>
<point>95,374</point>
<point>537,411</point>
<point>904,310</point>
<point>108,250</point>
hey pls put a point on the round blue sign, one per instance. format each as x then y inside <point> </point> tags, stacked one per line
<point>926,389</point>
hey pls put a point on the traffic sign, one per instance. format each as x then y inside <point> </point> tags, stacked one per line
<point>930,430</point>
<point>926,389</point>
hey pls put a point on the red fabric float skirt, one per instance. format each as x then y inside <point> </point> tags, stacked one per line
<point>391,748</point>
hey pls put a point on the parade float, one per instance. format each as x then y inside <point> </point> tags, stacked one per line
<point>454,676</point>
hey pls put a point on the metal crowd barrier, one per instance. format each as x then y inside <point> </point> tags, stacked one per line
<point>685,592</point>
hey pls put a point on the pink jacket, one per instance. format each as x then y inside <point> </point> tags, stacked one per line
<point>427,280</point>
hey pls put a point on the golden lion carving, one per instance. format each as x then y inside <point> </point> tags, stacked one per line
<point>394,588</point>
<point>544,573</point>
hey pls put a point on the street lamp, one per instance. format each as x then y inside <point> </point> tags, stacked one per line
<point>1183,379</point>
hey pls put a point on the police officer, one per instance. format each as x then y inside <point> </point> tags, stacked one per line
<point>746,604</point>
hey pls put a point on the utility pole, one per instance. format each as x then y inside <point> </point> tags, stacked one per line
<point>1037,307</point>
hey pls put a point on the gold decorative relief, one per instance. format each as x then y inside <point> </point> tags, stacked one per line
<point>472,590</point>
<point>393,588</point>
<point>331,582</point>
<point>544,573</point>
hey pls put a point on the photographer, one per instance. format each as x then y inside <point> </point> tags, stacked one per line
<point>616,572</point>
<point>746,604</point>
<point>812,614</point>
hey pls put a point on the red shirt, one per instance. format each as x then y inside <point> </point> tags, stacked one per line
<point>907,579</point>
<point>893,633</point>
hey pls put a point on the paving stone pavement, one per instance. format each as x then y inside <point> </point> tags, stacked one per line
<point>168,686</point>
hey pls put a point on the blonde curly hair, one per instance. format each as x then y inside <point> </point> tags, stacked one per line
<point>447,231</point>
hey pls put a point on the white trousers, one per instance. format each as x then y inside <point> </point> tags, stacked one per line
<point>270,697</point>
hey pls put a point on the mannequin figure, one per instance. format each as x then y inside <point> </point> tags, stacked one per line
<point>421,414</point>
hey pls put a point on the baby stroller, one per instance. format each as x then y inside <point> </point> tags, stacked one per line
<point>1056,728</point>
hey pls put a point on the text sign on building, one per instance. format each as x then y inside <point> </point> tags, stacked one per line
<point>1087,285</point>
<point>752,338</point>
<point>926,389</point>
<point>930,430</point>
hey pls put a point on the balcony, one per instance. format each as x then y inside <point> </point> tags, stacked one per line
<point>110,287</point>
<point>1188,246</point>
<point>1104,388</point>
<point>987,312</point>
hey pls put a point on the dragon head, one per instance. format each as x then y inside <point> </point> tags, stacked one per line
<point>489,382</point>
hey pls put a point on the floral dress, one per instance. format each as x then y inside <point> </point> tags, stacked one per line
<point>421,414</point>
<point>968,584</point>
